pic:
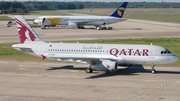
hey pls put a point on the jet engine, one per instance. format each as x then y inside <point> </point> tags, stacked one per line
<point>106,66</point>
<point>72,25</point>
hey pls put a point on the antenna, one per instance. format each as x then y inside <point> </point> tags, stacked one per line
<point>151,44</point>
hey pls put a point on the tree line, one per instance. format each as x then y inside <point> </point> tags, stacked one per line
<point>53,5</point>
<point>130,5</point>
<point>13,7</point>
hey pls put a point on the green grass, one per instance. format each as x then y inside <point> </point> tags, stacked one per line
<point>5,18</point>
<point>46,12</point>
<point>173,44</point>
<point>163,15</point>
<point>153,14</point>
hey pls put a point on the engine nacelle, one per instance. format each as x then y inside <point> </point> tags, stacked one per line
<point>72,25</point>
<point>106,66</point>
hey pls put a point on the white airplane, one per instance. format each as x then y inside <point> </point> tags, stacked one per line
<point>102,57</point>
<point>80,21</point>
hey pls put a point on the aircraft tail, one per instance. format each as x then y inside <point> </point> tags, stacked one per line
<point>120,10</point>
<point>26,33</point>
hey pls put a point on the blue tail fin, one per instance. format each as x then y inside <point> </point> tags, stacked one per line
<point>120,10</point>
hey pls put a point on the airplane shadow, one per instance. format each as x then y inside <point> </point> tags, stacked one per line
<point>130,28</point>
<point>92,28</point>
<point>70,67</point>
<point>124,71</point>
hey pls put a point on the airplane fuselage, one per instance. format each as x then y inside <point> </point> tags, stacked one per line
<point>83,20</point>
<point>121,53</point>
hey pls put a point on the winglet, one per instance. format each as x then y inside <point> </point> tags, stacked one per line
<point>120,10</point>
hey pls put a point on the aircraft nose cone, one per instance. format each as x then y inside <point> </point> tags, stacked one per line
<point>35,22</point>
<point>175,58</point>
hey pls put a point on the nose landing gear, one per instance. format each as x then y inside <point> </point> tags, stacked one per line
<point>153,69</point>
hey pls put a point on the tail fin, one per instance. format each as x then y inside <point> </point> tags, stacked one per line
<point>26,33</point>
<point>120,10</point>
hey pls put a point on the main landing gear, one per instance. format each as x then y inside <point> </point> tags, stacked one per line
<point>80,26</point>
<point>89,70</point>
<point>153,70</point>
<point>98,27</point>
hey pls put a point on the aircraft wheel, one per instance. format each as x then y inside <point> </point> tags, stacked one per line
<point>99,28</point>
<point>154,71</point>
<point>89,70</point>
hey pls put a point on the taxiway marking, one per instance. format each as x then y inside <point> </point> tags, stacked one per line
<point>22,68</point>
<point>153,93</point>
<point>73,70</point>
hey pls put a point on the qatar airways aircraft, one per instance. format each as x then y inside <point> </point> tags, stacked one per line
<point>102,57</point>
<point>80,21</point>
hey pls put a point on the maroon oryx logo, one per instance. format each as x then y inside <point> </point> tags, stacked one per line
<point>24,32</point>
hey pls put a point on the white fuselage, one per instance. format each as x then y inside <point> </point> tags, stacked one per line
<point>122,53</point>
<point>81,20</point>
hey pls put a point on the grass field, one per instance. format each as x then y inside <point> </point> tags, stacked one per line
<point>46,12</point>
<point>5,18</point>
<point>173,44</point>
<point>153,14</point>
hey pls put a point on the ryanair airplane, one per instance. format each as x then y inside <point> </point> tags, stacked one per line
<point>80,21</point>
<point>102,57</point>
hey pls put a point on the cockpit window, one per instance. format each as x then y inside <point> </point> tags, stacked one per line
<point>37,18</point>
<point>162,52</point>
<point>165,52</point>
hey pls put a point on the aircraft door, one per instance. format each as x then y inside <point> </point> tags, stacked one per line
<point>151,52</point>
<point>43,23</point>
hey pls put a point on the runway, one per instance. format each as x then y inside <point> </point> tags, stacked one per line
<point>38,81</point>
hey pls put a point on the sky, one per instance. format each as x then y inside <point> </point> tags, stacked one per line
<point>105,0</point>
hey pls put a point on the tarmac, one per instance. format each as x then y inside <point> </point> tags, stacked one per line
<point>40,81</point>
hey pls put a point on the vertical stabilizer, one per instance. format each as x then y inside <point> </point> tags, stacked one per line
<point>26,33</point>
<point>120,10</point>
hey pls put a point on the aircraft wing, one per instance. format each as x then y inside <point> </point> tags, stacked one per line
<point>90,59</point>
<point>83,22</point>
